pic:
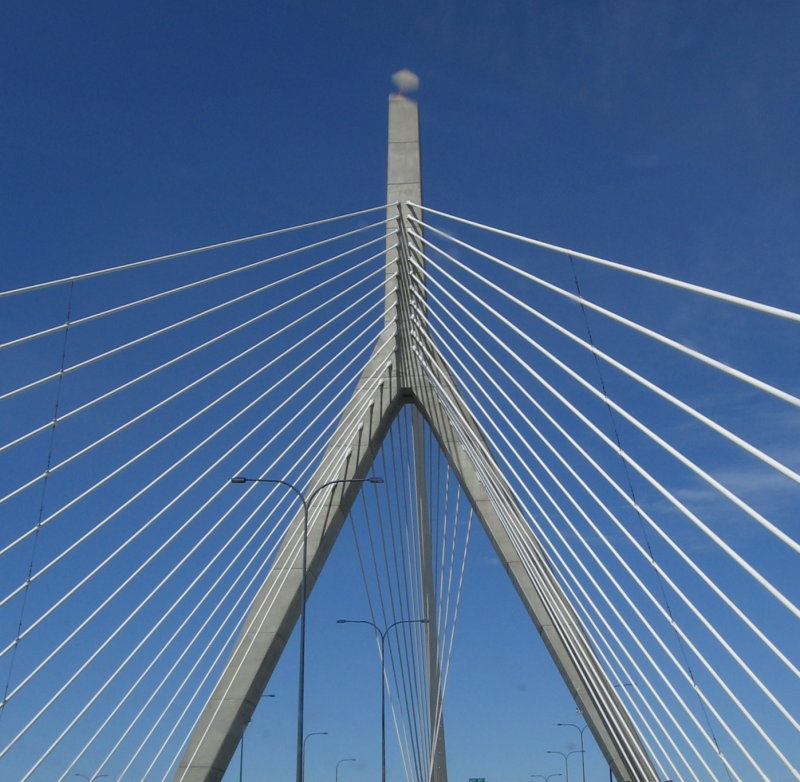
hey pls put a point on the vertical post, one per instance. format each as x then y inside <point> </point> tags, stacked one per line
<point>383,703</point>
<point>302,673</point>
<point>382,635</point>
<point>437,765</point>
<point>583,749</point>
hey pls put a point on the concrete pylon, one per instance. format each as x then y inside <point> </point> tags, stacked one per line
<point>407,368</point>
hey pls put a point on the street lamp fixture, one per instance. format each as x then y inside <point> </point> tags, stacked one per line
<point>583,753</point>
<point>241,743</point>
<point>303,589</point>
<point>545,778</point>
<point>339,763</point>
<point>382,634</point>
<point>564,755</point>
<point>308,736</point>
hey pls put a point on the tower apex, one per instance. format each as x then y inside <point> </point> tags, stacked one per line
<point>405,81</point>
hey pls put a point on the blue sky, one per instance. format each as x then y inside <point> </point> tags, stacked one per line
<point>661,135</point>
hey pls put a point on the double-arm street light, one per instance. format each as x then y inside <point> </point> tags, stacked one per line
<point>564,755</point>
<point>303,589</point>
<point>545,778</point>
<point>339,763</point>
<point>583,754</point>
<point>382,634</point>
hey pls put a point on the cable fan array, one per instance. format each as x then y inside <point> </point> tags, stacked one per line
<point>412,551</point>
<point>641,460</point>
<point>127,567</point>
<point>643,429</point>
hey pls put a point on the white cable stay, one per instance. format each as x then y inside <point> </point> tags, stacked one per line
<point>369,391</point>
<point>447,622</point>
<point>618,671</point>
<point>446,564</point>
<point>752,571</point>
<point>335,469</point>
<point>466,440</point>
<point>631,539</point>
<point>230,391</point>
<point>611,710</point>
<point>421,691</point>
<point>393,579</point>
<point>147,599</point>
<point>406,559</point>
<point>303,459</point>
<point>748,447</point>
<point>701,758</point>
<point>577,661</point>
<point>166,329</point>
<point>209,669</point>
<point>172,256</point>
<point>404,647</point>
<point>382,525</point>
<point>131,722</point>
<point>164,615</point>
<point>71,324</point>
<point>660,730</point>
<point>540,583</point>
<point>295,542</point>
<point>425,361</point>
<point>440,533</point>
<point>149,373</point>
<point>610,314</point>
<point>710,292</point>
<point>622,492</point>
<point>448,655</point>
<point>165,543</point>
<point>602,637</point>
<point>641,550</point>
<point>175,533</point>
<point>622,592</point>
<point>709,479</point>
<point>712,742</point>
<point>405,702</point>
<point>178,689</point>
<point>196,415</point>
<point>530,566</point>
<point>166,400</point>
<point>275,308</point>
<point>631,572</point>
<point>139,493</point>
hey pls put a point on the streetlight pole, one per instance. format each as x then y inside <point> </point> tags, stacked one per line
<point>583,754</point>
<point>303,752</point>
<point>545,778</point>
<point>339,763</point>
<point>564,755</point>
<point>382,634</point>
<point>241,743</point>
<point>303,589</point>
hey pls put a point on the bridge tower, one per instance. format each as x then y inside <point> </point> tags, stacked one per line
<point>394,377</point>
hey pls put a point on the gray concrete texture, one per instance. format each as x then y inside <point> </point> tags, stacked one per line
<point>396,376</point>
